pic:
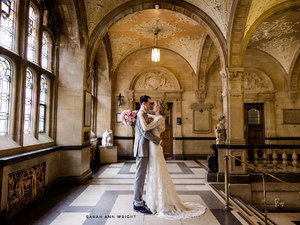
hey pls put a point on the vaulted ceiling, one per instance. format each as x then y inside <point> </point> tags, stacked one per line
<point>279,36</point>
<point>177,32</point>
<point>218,10</point>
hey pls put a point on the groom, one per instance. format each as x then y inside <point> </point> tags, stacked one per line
<point>141,152</point>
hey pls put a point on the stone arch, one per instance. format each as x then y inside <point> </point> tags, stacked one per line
<point>273,10</point>
<point>294,76</point>
<point>237,24</point>
<point>141,49</point>
<point>179,6</point>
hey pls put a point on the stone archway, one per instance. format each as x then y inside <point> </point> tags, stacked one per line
<point>179,6</point>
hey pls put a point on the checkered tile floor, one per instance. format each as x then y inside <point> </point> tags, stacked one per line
<point>107,199</point>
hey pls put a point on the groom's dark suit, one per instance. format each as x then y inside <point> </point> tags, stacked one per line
<point>141,152</point>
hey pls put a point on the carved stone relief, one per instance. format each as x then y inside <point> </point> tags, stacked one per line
<point>254,83</point>
<point>156,80</point>
<point>24,187</point>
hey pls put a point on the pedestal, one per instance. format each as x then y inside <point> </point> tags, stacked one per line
<point>108,154</point>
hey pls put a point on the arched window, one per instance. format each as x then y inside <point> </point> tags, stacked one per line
<point>32,35</point>
<point>28,101</point>
<point>46,51</point>
<point>8,24</point>
<point>43,104</point>
<point>5,90</point>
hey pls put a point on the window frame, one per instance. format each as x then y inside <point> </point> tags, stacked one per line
<point>11,106</point>
<point>35,8</point>
<point>18,60</point>
<point>15,41</point>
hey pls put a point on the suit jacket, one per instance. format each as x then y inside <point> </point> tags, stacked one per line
<point>142,138</point>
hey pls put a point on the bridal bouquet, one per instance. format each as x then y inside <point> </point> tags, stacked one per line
<point>129,117</point>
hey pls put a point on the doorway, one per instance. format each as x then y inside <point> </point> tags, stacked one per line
<point>167,135</point>
<point>254,123</point>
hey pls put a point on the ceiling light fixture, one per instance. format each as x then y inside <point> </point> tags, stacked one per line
<point>155,49</point>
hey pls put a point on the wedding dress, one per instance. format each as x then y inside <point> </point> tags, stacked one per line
<point>161,196</point>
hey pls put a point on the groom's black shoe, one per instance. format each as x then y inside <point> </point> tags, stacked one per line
<point>142,209</point>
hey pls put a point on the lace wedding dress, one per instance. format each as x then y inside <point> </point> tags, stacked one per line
<point>161,196</point>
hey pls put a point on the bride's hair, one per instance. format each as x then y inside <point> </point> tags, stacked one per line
<point>162,106</point>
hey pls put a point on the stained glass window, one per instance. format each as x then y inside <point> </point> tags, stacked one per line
<point>43,104</point>
<point>5,90</point>
<point>28,101</point>
<point>46,51</point>
<point>32,35</point>
<point>7,23</point>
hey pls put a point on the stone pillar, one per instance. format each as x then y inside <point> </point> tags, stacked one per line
<point>233,104</point>
<point>74,157</point>
<point>270,122</point>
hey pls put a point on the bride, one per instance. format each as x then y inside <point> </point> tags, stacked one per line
<point>161,196</point>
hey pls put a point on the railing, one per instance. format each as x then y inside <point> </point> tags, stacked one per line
<point>264,173</point>
<point>272,158</point>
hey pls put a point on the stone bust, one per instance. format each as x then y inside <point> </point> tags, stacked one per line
<point>220,131</point>
<point>107,138</point>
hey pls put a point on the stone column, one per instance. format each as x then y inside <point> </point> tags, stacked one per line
<point>74,159</point>
<point>270,122</point>
<point>233,104</point>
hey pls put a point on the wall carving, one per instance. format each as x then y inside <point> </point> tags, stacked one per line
<point>155,80</point>
<point>24,187</point>
<point>253,82</point>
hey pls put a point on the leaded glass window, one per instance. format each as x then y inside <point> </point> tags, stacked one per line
<point>5,91</point>
<point>32,35</point>
<point>46,51</point>
<point>28,101</point>
<point>43,104</point>
<point>8,23</point>
<point>253,116</point>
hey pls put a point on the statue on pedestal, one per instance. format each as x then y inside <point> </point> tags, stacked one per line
<point>220,131</point>
<point>107,138</point>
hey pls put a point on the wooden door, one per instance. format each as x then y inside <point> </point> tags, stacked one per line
<point>254,123</point>
<point>167,135</point>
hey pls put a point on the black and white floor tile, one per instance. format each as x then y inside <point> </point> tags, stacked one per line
<point>107,199</point>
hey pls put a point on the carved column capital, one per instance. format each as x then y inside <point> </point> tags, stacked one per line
<point>235,74</point>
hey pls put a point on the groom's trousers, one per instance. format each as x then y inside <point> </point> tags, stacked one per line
<point>140,174</point>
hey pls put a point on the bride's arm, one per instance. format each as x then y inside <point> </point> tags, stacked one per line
<point>148,126</point>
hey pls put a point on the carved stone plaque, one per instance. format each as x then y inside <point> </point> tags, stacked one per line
<point>201,117</point>
<point>24,187</point>
<point>291,116</point>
